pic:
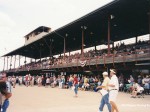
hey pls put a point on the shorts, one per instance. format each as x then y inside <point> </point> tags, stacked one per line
<point>113,95</point>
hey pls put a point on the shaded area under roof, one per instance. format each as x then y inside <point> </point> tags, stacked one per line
<point>130,20</point>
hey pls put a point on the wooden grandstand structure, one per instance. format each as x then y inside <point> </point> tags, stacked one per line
<point>118,20</point>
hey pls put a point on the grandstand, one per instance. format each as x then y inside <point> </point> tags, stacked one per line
<point>116,21</point>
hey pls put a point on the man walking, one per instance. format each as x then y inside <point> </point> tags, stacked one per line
<point>113,89</point>
<point>104,92</point>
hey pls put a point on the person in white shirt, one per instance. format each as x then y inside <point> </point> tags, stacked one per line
<point>136,89</point>
<point>20,80</point>
<point>146,82</point>
<point>47,82</point>
<point>113,90</point>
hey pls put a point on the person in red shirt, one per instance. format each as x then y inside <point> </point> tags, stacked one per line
<point>75,84</point>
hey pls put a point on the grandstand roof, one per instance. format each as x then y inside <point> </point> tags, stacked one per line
<point>130,20</point>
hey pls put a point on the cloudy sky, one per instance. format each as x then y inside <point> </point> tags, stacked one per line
<point>19,17</point>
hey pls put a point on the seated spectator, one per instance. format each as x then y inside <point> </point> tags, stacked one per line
<point>136,88</point>
<point>99,82</point>
<point>54,82</point>
<point>146,81</point>
<point>86,83</point>
<point>47,82</point>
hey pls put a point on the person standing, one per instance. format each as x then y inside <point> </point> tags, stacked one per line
<point>14,81</point>
<point>32,81</point>
<point>5,90</point>
<point>20,80</point>
<point>26,80</point>
<point>113,90</point>
<point>104,92</point>
<point>75,84</point>
<point>63,81</point>
<point>70,81</point>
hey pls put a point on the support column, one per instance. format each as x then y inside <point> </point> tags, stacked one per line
<point>136,40</point>
<point>30,60</point>
<point>19,60</point>
<point>108,35</point>
<point>4,64</point>
<point>10,62</point>
<point>149,26</point>
<point>95,48</point>
<point>51,42</point>
<point>7,62</point>
<point>82,43</point>
<point>82,46</point>
<point>64,48</point>
<point>149,22</point>
<point>113,46</point>
<point>15,62</point>
<point>40,53</point>
<point>69,53</point>
<point>25,61</point>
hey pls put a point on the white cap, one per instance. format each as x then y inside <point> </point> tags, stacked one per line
<point>105,73</point>
<point>147,76</point>
<point>113,70</point>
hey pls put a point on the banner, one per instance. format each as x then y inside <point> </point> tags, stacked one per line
<point>82,63</point>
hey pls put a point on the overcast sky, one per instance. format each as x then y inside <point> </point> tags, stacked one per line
<point>19,17</point>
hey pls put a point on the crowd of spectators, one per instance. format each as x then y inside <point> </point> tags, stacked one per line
<point>140,84</point>
<point>85,82</point>
<point>140,47</point>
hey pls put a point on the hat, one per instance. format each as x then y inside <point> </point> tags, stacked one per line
<point>105,73</point>
<point>139,76</point>
<point>113,70</point>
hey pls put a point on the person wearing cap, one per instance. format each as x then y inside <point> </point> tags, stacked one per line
<point>113,90</point>
<point>104,92</point>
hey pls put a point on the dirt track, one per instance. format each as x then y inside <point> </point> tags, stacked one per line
<point>41,99</point>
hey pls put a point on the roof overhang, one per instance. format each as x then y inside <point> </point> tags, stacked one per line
<point>130,20</point>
